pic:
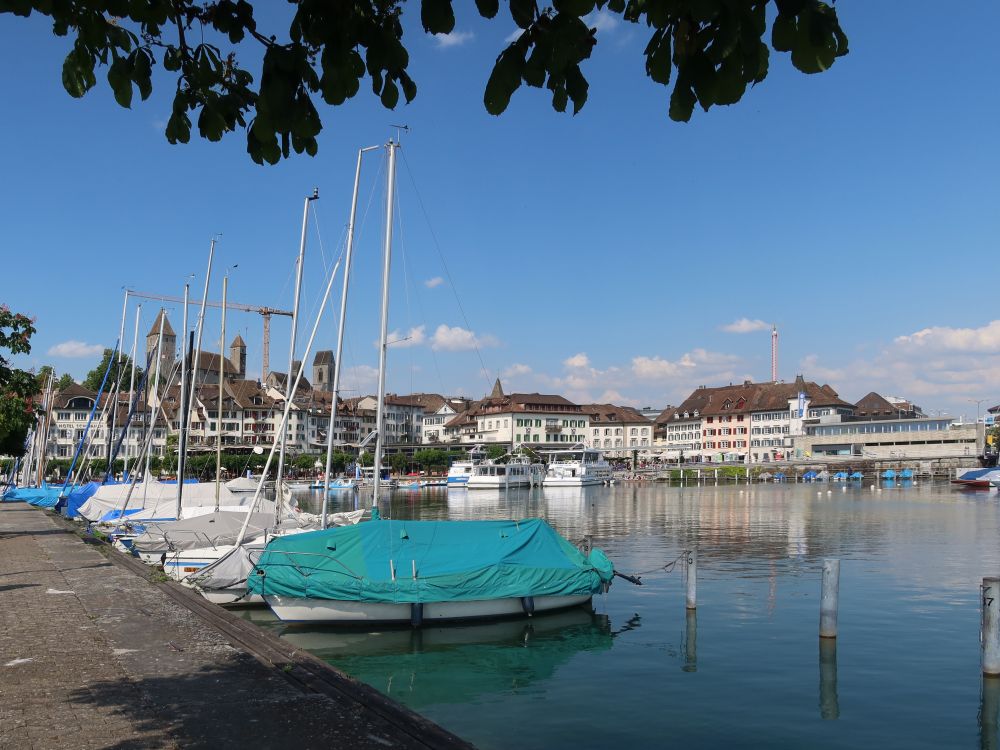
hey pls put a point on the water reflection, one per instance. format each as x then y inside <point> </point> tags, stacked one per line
<point>989,713</point>
<point>829,703</point>
<point>456,663</point>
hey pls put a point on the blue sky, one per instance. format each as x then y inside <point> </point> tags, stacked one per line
<point>601,256</point>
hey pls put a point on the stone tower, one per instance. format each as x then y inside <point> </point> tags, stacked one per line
<point>238,357</point>
<point>323,371</point>
<point>168,351</point>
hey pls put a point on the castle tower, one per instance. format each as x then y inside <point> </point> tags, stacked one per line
<point>238,357</point>
<point>323,371</point>
<point>168,351</point>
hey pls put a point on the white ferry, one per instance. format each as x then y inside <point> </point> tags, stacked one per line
<point>460,471</point>
<point>576,467</point>
<point>519,472</point>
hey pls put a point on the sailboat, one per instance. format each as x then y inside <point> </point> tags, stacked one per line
<point>412,571</point>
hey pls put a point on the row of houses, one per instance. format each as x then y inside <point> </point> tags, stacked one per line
<point>748,422</point>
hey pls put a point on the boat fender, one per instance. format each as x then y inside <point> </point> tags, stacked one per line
<point>528,604</point>
<point>417,614</point>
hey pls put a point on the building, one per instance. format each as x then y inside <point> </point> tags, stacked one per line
<point>889,438</point>
<point>617,430</point>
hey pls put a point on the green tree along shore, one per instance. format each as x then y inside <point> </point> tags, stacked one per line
<point>709,51</point>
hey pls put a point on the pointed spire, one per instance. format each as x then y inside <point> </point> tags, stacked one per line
<point>497,391</point>
<point>167,330</point>
<point>238,341</point>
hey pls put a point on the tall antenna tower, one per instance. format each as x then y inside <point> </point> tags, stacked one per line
<point>774,354</point>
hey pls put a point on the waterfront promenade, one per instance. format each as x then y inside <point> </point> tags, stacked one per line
<point>95,654</point>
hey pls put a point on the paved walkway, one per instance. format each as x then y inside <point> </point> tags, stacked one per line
<point>93,655</point>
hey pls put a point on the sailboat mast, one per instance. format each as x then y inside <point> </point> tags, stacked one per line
<point>131,382</point>
<point>218,412</point>
<point>118,378</point>
<point>182,411</point>
<point>335,387</point>
<point>156,391</point>
<point>201,329</point>
<point>383,346</point>
<point>295,320</point>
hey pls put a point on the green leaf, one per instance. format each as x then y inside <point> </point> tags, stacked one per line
<point>576,87</point>
<point>576,8</point>
<point>437,16</point>
<point>172,59</point>
<point>78,72</point>
<point>488,8</point>
<point>682,101</point>
<point>120,80</point>
<point>505,79</point>
<point>523,12</point>
<point>658,57</point>
<point>783,34</point>
<point>390,95</point>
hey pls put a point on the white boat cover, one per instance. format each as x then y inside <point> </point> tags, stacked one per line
<point>208,530</point>
<point>158,498</point>
<point>242,484</point>
<point>231,570</point>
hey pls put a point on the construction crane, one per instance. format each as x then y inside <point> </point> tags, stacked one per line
<point>264,312</point>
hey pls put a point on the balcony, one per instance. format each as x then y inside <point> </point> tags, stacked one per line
<point>553,428</point>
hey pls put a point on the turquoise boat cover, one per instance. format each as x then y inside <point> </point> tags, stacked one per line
<point>454,561</point>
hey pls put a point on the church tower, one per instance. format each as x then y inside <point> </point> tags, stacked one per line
<point>323,371</point>
<point>238,357</point>
<point>168,351</point>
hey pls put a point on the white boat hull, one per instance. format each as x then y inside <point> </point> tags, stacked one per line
<point>496,483</point>
<point>299,609</point>
<point>231,596</point>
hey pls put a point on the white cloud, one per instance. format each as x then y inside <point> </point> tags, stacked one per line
<point>984,339</point>
<point>454,39</point>
<point>76,349</point>
<point>745,325</point>
<point>513,36</point>
<point>359,380</point>
<point>601,20</point>
<point>431,283</point>
<point>516,370</point>
<point>577,360</point>
<point>414,337</point>
<point>457,339</point>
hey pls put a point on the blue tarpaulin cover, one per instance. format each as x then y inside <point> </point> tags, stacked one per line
<point>455,561</point>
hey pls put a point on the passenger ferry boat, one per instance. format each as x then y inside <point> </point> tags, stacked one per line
<point>520,471</point>
<point>460,471</point>
<point>576,467</point>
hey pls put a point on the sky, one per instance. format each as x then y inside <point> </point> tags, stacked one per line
<point>612,256</point>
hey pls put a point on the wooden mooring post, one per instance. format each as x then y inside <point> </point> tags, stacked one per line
<point>692,579</point>
<point>990,628</point>
<point>829,599</point>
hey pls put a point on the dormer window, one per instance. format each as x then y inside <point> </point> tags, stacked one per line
<point>728,404</point>
<point>741,403</point>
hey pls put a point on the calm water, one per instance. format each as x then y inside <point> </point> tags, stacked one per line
<point>747,671</point>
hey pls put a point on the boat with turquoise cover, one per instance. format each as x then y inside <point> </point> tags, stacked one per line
<point>415,571</point>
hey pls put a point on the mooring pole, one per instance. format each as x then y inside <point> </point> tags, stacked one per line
<point>829,599</point>
<point>692,580</point>
<point>990,633</point>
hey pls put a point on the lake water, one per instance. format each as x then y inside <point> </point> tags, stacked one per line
<point>747,670</point>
